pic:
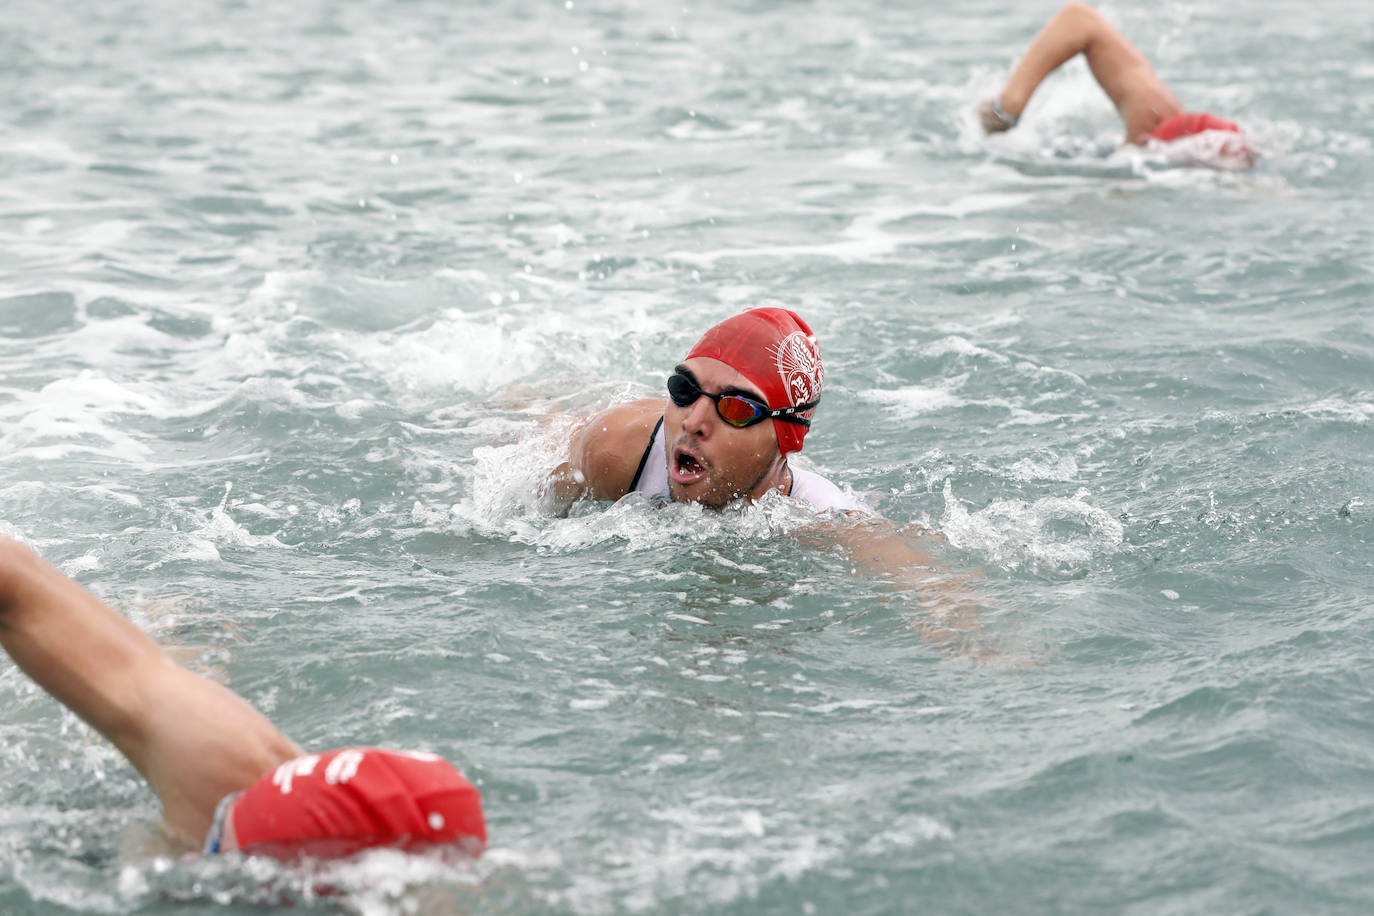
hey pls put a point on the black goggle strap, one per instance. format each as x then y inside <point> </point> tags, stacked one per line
<point>785,414</point>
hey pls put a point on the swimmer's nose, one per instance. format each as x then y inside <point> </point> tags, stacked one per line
<point>700,417</point>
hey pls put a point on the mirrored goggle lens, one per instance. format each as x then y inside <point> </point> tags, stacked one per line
<point>737,411</point>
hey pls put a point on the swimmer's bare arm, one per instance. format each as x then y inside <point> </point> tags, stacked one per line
<point>1123,72</point>
<point>604,453</point>
<point>909,559</point>
<point>195,741</point>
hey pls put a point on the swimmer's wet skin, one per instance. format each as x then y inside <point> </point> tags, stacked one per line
<point>738,406</point>
<point>741,402</point>
<point>1148,109</point>
<point>226,777</point>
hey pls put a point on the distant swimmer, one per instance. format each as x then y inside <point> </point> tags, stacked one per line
<point>226,777</point>
<point>738,406</point>
<point>1146,106</point>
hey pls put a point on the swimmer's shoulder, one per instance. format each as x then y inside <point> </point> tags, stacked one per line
<point>608,446</point>
<point>821,493</point>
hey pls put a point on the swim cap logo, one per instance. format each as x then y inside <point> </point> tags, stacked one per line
<point>286,774</point>
<point>343,767</point>
<point>799,364</point>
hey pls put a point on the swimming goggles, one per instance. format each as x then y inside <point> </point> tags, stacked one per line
<point>735,409</point>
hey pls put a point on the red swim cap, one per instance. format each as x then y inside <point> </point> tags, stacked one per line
<point>339,802</point>
<point>776,351</point>
<point>1189,123</point>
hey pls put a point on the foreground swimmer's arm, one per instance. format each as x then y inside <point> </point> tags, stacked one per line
<point>195,741</point>
<point>1123,72</point>
<point>907,558</point>
<point>604,453</point>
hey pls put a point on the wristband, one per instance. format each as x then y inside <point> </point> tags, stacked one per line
<point>1000,114</point>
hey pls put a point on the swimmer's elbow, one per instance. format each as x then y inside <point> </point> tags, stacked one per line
<point>17,563</point>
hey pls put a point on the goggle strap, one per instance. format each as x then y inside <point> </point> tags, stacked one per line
<point>785,413</point>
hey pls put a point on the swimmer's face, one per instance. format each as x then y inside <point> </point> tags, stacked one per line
<point>710,461</point>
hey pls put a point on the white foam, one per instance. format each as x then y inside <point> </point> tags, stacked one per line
<point>863,159</point>
<point>912,400</point>
<point>959,346</point>
<point>508,496</point>
<point>1048,467</point>
<point>864,239</point>
<point>1342,410</point>
<point>70,416</point>
<point>838,705</point>
<point>969,204</point>
<point>84,563</point>
<point>79,414</point>
<point>377,882</point>
<point>13,531</point>
<point>1057,534</point>
<point>906,833</point>
<point>1222,150</point>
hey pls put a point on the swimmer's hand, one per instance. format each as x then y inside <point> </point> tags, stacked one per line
<point>945,605</point>
<point>993,118</point>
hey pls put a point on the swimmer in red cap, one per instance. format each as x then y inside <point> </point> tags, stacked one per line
<point>227,778</point>
<point>740,403</point>
<point>1147,107</point>
<point>738,407</point>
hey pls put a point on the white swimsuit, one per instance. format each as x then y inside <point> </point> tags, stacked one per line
<point>652,478</point>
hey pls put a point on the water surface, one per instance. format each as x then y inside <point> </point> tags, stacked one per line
<point>296,300</point>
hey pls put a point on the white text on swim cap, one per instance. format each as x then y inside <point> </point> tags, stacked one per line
<point>301,766</point>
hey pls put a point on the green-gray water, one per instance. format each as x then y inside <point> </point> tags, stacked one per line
<point>291,292</point>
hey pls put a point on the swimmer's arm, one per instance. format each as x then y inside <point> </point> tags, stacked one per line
<point>604,454</point>
<point>1119,67</point>
<point>193,740</point>
<point>908,558</point>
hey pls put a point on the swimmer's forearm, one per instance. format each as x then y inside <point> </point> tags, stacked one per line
<point>68,642</point>
<point>192,739</point>
<point>949,611</point>
<point>1069,33</point>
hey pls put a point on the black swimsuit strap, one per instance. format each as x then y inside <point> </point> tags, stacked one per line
<point>644,459</point>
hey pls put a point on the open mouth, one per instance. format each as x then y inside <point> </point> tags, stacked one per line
<point>686,468</point>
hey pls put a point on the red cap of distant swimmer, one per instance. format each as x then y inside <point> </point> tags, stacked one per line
<point>339,802</point>
<point>1189,123</point>
<point>776,351</point>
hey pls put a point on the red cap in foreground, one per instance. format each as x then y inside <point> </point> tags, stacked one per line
<point>339,802</point>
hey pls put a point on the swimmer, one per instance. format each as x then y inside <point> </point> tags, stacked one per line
<point>738,406</point>
<point>1146,106</point>
<point>226,777</point>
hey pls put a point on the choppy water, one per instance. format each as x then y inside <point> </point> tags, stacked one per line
<point>294,295</point>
